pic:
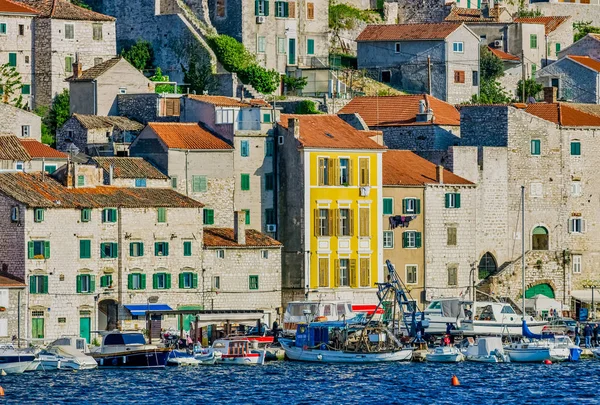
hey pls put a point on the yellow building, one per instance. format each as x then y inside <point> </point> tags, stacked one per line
<point>329,204</point>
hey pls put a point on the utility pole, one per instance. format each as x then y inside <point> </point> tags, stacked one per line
<point>429,74</point>
<point>523,75</point>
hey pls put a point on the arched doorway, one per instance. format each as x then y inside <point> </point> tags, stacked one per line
<point>487,266</point>
<point>543,289</point>
<point>108,312</point>
<point>539,238</point>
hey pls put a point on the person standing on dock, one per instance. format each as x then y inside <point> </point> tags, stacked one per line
<point>577,334</point>
<point>595,334</point>
<point>587,333</point>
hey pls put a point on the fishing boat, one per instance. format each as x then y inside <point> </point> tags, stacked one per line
<point>445,354</point>
<point>66,353</point>
<point>318,311</point>
<point>236,351</point>
<point>487,350</point>
<point>129,350</point>
<point>14,361</point>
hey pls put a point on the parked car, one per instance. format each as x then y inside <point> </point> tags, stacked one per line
<point>560,326</point>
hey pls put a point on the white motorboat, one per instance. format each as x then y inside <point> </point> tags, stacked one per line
<point>445,354</point>
<point>596,352</point>
<point>527,352</point>
<point>318,311</point>
<point>129,350</point>
<point>487,350</point>
<point>66,353</point>
<point>182,358</point>
<point>235,351</point>
<point>14,361</point>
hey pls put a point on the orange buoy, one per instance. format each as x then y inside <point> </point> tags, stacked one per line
<point>1,392</point>
<point>547,361</point>
<point>455,382</point>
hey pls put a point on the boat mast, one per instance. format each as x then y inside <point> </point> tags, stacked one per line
<point>523,245</point>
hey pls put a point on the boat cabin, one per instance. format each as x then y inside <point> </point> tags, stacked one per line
<point>311,336</point>
<point>232,347</point>
<point>308,311</point>
<point>71,341</point>
<point>121,341</point>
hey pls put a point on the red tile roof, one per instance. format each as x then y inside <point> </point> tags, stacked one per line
<point>550,23</point>
<point>503,55</point>
<point>222,101</point>
<point>12,149</point>
<point>187,136</point>
<point>224,237</point>
<point>586,61</point>
<point>406,168</point>
<point>129,167</point>
<point>8,6</point>
<point>38,150</point>
<point>407,32</point>
<point>391,111</point>
<point>564,114</point>
<point>65,10</point>
<point>8,281</point>
<point>330,131</point>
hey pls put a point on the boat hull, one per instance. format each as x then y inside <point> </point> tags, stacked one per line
<point>248,359</point>
<point>445,358</point>
<point>134,359</point>
<point>332,356</point>
<point>483,328</point>
<point>528,355</point>
<point>17,367</point>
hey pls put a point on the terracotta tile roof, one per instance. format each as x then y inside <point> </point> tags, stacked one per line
<point>222,101</point>
<point>99,121</point>
<point>391,111</point>
<point>330,131</point>
<point>187,135</point>
<point>12,149</point>
<point>586,61</point>
<point>474,15</point>
<point>130,167</point>
<point>65,10</point>
<point>33,191</point>
<point>550,23</point>
<point>95,71</point>
<point>38,150</point>
<point>224,237</point>
<point>564,114</point>
<point>406,168</point>
<point>10,7</point>
<point>8,281</point>
<point>407,32</point>
<point>503,55</point>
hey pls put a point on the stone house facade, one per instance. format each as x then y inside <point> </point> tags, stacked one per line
<point>558,34</point>
<point>410,56</point>
<point>21,123</point>
<point>576,79</point>
<point>586,46</point>
<point>150,107</point>
<point>43,157</point>
<point>13,310</point>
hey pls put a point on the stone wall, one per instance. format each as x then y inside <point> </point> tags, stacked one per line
<point>577,11</point>
<point>576,83</point>
<point>12,121</point>
<point>143,108</point>
<point>586,46</point>
<point>21,45</point>
<point>16,302</point>
<point>420,137</point>
<point>410,11</point>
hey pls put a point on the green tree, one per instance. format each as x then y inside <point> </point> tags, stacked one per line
<point>526,13</point>
<point>532,88</point>
<point>81,4</point>
<point>491,66</point>
<point>581,29</point>
<point>42,111</point>
<point>307,107</point>
<point>164,87</point>
<point>57,115</point>
<point>140,55</point>
<point>10,84</point>
<point>293,84</point>
<point>263,80</point>
<point>198,76</point>
<point>491,92</point>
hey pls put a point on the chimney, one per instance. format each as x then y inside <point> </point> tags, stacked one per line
<point>425,113</point>
<point>294,127</point>
<point>111,172</point>
<point>239,227</point>
<point>550,94</point>
<point>69,175</point>
<point>77,69</point>
<point>422,107</point>
<point>439,174</point>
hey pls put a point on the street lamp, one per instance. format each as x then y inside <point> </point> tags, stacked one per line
<point>593,285</point>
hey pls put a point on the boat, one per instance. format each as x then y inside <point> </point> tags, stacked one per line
<point>235,351</point>
<point>445,354</point>
<point>15,361</point>
<point>129,350</point>
<point>66,353</point>
<point>527,352</point>
<point>182,358</point>
<point>487,350</point>
<point>318,311</point>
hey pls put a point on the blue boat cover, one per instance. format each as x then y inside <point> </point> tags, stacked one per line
<point>529,334</point>
<point>140,309</point>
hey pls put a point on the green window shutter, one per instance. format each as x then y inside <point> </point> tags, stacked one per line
<point>404,239</point>
<point>404,203</point>
<point>245,180</point>
<point>131,248</point>
<point>103,281</point>
<point>156,248</point>
<point>154,281</point>
<point>388,206</point>
<point>247,216</point>
<point>46,249</point>
<point>456,200</point>
<point>187,248</point>
<point>45,284</point>
<point>256,7</point>
<point>181,275</point>
<point>575,148</point>
<point>12,59</point>
<point>557,48</point>
<point>142,281</point>
<point>166,248</point>
<point>92,283</point>
<point>194,280</point>
<point>26,89</point>
<point>31,284</point>
<point>168,280</point>
<point>105,215</point>
<point>114,250</point>
<point>447,200</point>
<point>266,7</point>
<point>209,217</point>
<point>85,249</point>
<point>78,284</point>
<point>310,46</point>
<point>417,206</point>
<point>30,249</point>
<point>162,214</point>
<point>286,9</point>
<point>418,239</point>
<point>130,282</point>
<point>102,252</point>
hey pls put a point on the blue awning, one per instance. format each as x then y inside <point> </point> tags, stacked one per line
<point>140,309</point>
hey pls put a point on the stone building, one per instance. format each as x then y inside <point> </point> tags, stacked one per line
<point>130,172</point>
<point>579,10</point>
<point>16,39</point>
<point>19,122</point>
<point>43,157</point>
<point>94,91</point>
<point>413,122</point>
<point>98,135</point>
<point>150,107</point>
<point>13,310</point>
<point>439,59</point>
<point>558,34</point>
<point>65,33</point>
<point>575,78</point>
<point>586,46</point>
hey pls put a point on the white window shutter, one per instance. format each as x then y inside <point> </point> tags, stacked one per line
<point>571,222</point>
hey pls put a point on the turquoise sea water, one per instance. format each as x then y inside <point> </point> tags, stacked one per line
<point>301,383</point>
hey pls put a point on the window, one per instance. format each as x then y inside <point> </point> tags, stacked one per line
<point>536,147</point>
<point>187,248</point>
<point>2,28</point>
<point>269,181</point>
<point>245,181</point>
<point>49,168</point>
<point>576,260</point>
<point>575,188</point>
<point>364,222</point>
<point>575,148</point>
<point>69,31</point>
<point>397,47</point>
<point>451,236</point>
<point>80,181</point>
<point>208,217</point>
<point>161,214</point>
<point>246,216</point>
<point>344,271</point>
<point>557,47</point>
<point>97,32</point>
<point>388,239</point>
<point>533,41</point>
<point>411,239</point>
<point>38,215</point>
<point>310,46</point>
<point>224,116</point>
<point>220,254</point>
<point>269,216</point>
<point>161,248</point>
<point>26,90</point>
<point>323,272</point>
<point>459,76</point>
<point>577,225</point>
<point>323,222</point>
<point>85,249</point>
<point>411,206</point>
<point>97,61</point>
<point>345,175</point>
<point>411,274</point>
<point>106,281</point>
<point>266,118</point>
<point>109,250</point>
<point>253,282</point>
<point>68,64</point>
<point>310,11</point>
<point>161,281</point>
<point>19,166</point>
<point>536,189</point>
<point>281,45</point>
<point>216,282</point>
<point>221,8</point>
<point>27,59</point>
<point>323,171</point>
<point>25,130</point>
<point>261,7</point>
<point>388,206</point>
<point>345,222</point>
<point>244,149</point>
<point>188,280</point>
<point>174,182</point>
<point>386,76</point>
<point>140,182</point>
<point>86,283</point>
<point>487,266</point>
<point>475,78</point>
<point>457,47</point>
<point>38,249</point>
<point>109,215</point>
<point>281,9</point>
<point>363,165</point>
<point>199,184</point>
<point>264,254</point>
<point>12,59</point>
<point>452,275</point>
<point>136,281</point>
<point>539,238</point>
<point>14,214</point>
<point>452,200</point>
<point>86,214</point>
<point>38,284</point>
<point>261,44</point>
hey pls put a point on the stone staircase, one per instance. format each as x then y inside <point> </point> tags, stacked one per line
<point>247,91</point>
